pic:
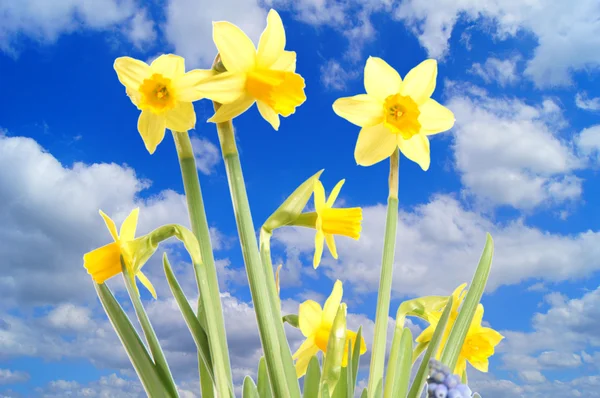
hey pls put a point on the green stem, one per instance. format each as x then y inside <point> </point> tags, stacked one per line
<point>257,280</point>
<point>286,354</point>
<point>385,281</point>
<point>212,298</point>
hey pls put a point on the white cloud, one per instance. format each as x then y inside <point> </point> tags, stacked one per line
<point>70,317</point>
<point>588,142</point>
<point>510,153</point>
<point>8,376</point>
<point>188,26</point>
<point>206,153</point>
<point>500,71</point>
<point>45,21</point>
<point>335,77</point>
<point>567,36</point>
<point>438,248</point>
<point>584,102</point>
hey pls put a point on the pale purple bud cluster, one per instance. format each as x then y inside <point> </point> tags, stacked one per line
<point>443,384</point>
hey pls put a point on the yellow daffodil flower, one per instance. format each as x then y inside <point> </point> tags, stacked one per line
<point>395,113</point>
<point>480,341</point>
<point>332,221</point>
<point>105,262</point>
<point>315,324</point>
<point>163,92</point>
<point>265,75</point>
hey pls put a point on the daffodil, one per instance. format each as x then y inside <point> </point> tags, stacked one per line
<point>163,92</point>
<point>265,75</point>
<point>480,342</point>
<point>315,324</point>
<point>395,113</point>
<point>105,262</point>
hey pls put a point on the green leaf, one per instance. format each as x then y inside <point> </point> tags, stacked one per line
<point>356,357</point>
<point>476,395</point>
<point>341,388</point>
<point>198,333</point>
<point>421,376</point>
<point>399,364</point>
<point>312,378</point>
<point>264,388</point>
<point>325,392</point>
<point>249,388</point>
<point>461,326</point>
<point>332,365</point>
<point>419,307</point>
<point>292,319</point>
<point>349,372</point>
<point>293,205</point>
<point>379,389</point>
<point>136,351</point>
<point>162,366</point>
<point>418,351</point>
<point>364,393</point>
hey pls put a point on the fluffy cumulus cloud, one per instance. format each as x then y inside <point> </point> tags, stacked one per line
<point>588,142</point>
<point>500,71</point>
<point>206,153</point>
<point>13,377</point>
<point>583,101</point>
<point>509,152</point>
<point>566,35</point>
<point>45,21</point>
<point>438,246</point>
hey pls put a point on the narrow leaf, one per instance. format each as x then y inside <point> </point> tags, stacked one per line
<point>421,376</point>
<point>364,393</point>
<point>356,357</point>
<point>476,395</point>
<point>292,319</point>
<point>312,378</point>
<point>249,388</point>
<point>198,333</point>
<point>461,326</point>
<point>349,374</point>
<point>341,388</point>
<point>264,388</point>
<point>136,351</point>
<point>332,365</point>
<point>402,374</point>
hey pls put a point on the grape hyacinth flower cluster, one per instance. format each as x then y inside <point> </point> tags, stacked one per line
<point>442,384</point>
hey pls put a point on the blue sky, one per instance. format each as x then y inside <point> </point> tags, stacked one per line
<point>520,163</point>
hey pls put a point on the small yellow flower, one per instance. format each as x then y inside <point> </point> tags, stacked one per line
<point>265,75</point>
<point>315,324</point>
<point>480,341</point>
<point>330,221</point>
<point>105,262</point>
<point>395,113</point>
<point>163,92</point>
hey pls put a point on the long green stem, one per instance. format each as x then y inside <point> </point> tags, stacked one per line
<point>385,281</point>
<point>218,337</point>
<point>254,268</point>
<point>286,354</point>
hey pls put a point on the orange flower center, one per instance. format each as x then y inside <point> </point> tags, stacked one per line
<point>402,115</point>
<point>157,94</point>
<point>322,337</point>
<point>282,91</point>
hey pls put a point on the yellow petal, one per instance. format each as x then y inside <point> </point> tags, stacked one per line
<point>103,263</point>
<point>152,129</point>
<point>309,317</point>
<point>235,48</point>
<point>419,82</point>
<point>110,224</point>
<point>331,245</point>
<point>229,111</point>
<point>351,336</point>
<point>319,237</point>
<point>481,365</point>
<point>381,80</point>
<point>478,316</point>
<point>319,193</point>
<point>426,334</point>
<point>131,72</point>
<point>268,114</point>
<point>188,87</point>
<point>334,193</point>
<point>169,65</point>
<point>286,62</point>
<point>129,225</point>
<point>146,282</point>
<point>332,304</point>
<point>434,117</point>
<point>223,88</point>
<point>374,144</point>
<point>416,149</point>
<point>362,110</point>
<point>182,117</point>
<point>461,366</point>
<point>272,41</point>
<point>493,337</point>
<point>303,356</point>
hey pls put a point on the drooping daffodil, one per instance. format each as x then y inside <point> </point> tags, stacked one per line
<point>479,343</point>
<point>265,75</point>
<point>315,324</point>
<point>105,262</point>
<point>395,113</point>
<point>163,92</point>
